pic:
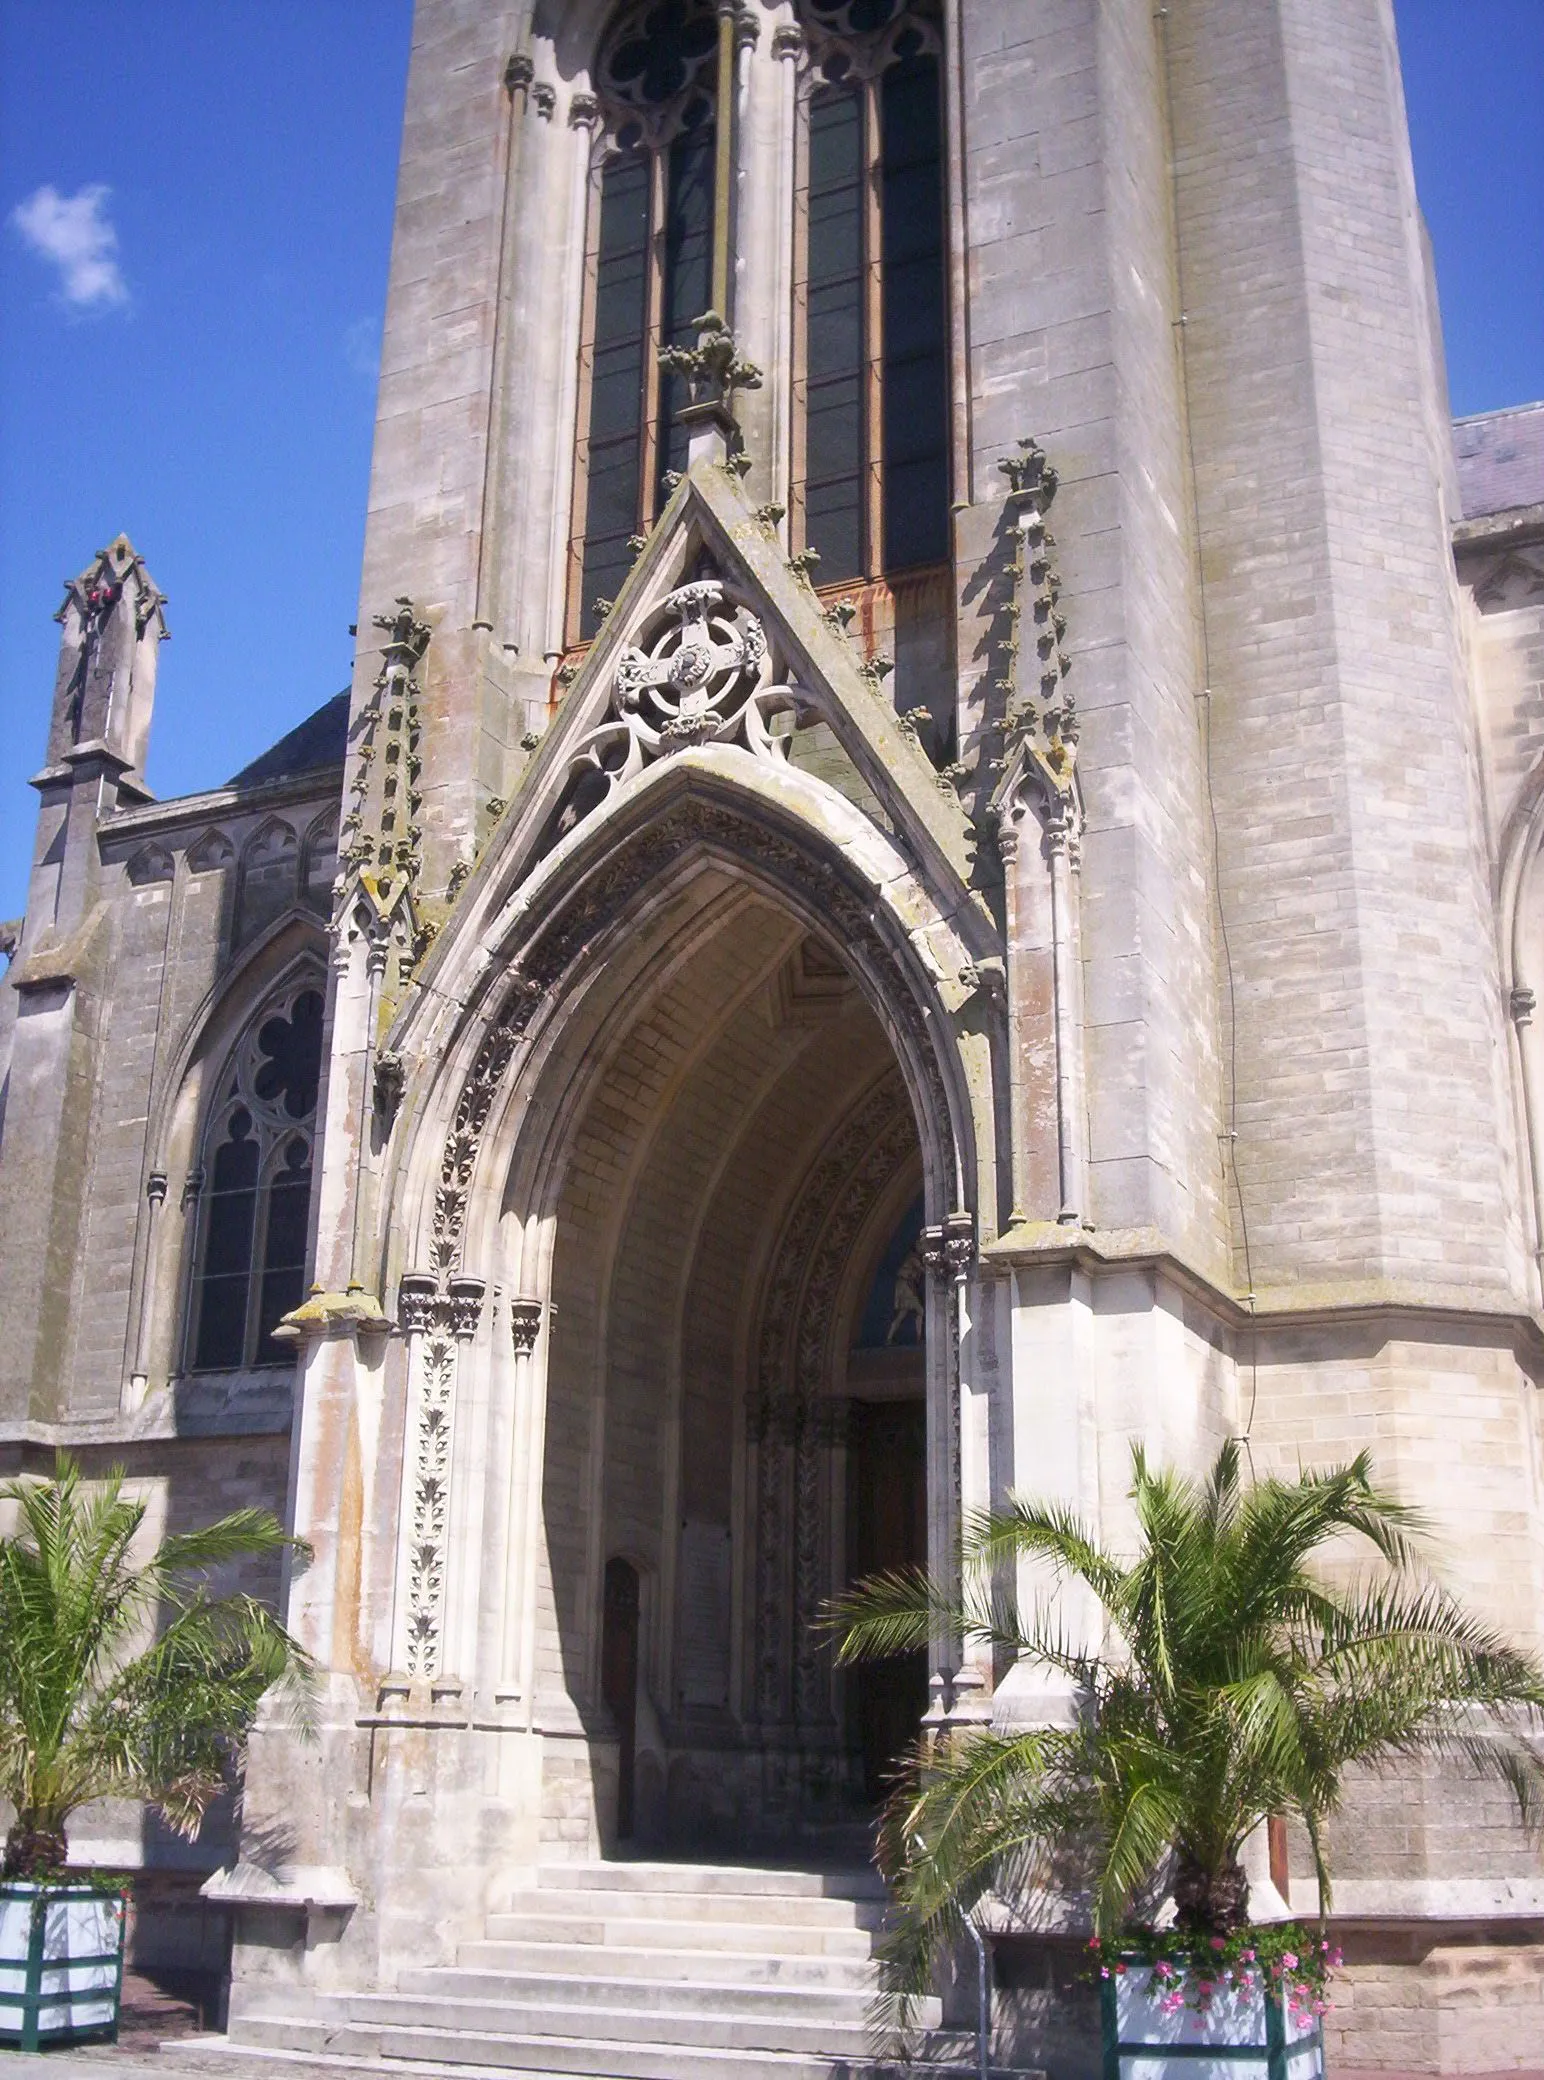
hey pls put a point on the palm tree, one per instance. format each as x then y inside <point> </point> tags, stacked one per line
<point>1238,1680</point>
<point>122,1678</point>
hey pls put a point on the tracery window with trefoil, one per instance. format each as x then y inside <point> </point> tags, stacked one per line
<point>255,1201</point>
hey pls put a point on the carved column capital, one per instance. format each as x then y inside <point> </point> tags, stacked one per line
<point>1522,1003</point>
<point>583,112</point>
<point>545,99</point>
<point>519,72</point>
<point>788,41</point>
<point>949,1250</point>
<point>465,1297</point>
<point>417,1297</point>
<point>524,1324</point>
<point>155,1187</point>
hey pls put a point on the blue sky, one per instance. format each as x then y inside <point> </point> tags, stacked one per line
<point>194,364</point>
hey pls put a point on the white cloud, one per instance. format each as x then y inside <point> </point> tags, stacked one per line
<point>74,233</point>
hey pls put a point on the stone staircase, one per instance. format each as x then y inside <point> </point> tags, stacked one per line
<point>635,1971</point>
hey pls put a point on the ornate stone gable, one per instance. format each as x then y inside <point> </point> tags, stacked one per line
<point>716,638</point>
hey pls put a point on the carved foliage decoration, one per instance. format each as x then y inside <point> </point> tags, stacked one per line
<point>381,837</point>
<point>437,1318</point>
<point>1040,723</point>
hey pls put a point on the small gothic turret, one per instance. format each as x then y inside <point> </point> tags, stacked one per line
<point>113,628</point>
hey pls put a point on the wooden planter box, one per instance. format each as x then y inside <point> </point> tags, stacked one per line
<point>61,1964</point>
<point>1245,2033</point>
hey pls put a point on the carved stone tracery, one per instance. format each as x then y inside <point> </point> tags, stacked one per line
<point>701,674</point>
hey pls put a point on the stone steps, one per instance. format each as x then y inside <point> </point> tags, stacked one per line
<point>704,1880</point>
<point>725,2028</point>
<point>638,1932</point>
<point>716,1997</point>
<point>728,1909</point>
<point>704,1967</point>
<point>631,1971</point>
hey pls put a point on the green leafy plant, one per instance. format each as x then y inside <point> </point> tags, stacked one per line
<point>1238,1678</point>
<point>124,1677</point>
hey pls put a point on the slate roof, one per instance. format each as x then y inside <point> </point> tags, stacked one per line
<point>1500,460</point>
<point>319,741</point>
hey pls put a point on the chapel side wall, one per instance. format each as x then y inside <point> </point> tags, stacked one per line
<point>1071,318</point>
<point>114,1267</point>
<point>1368,1065</point>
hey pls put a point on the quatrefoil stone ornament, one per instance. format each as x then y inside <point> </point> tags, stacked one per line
<point>702,674</point>
<point>698,668</point>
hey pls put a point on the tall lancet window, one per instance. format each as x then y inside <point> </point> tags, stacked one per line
<point>651,266</point>
<point>871,475</point>
<point>255,1198</point>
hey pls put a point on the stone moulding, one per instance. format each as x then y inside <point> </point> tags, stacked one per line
<point>600,901</point>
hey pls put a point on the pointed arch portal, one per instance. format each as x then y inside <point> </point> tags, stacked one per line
<point>690,1111</point>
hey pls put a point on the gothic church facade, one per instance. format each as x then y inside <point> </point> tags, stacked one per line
<point>932,868</point>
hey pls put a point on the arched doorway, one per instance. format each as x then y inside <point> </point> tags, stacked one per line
<point>733,1158</point>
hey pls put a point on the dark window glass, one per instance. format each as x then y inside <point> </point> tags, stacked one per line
<point>916,394</point>
<point>833,444</point>
<point>227,1269</point>
<point>688,277</point>
<point>616,380</point>
<point>284,1249</point>
<point>291,1050</point>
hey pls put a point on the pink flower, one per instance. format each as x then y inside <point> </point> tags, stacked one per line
<point>1120,1971</point>
<point>1104,1971</point>
<point>1218,1943</point>
<point>1162,1968</point>
<point>1093,1942</point>
<point>1289,1959</point>
<point>1249,1957</point>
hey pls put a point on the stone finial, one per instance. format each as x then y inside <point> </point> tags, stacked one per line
<point>113,624</point>
<point>713,369</point>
